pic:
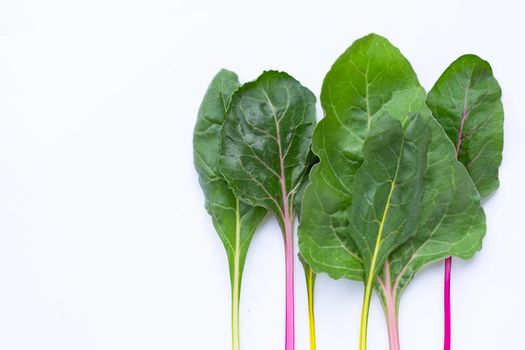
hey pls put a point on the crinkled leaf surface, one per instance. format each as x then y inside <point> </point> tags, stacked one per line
<point>372,79</point>
<point>466,101</point>
<point>266,141</point>
<point>234,221</point>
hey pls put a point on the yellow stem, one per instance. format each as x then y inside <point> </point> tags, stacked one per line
<point>311,317</point>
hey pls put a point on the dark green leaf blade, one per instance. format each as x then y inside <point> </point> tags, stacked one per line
<point>466,101</point>
<point>235,222</point>
<point>266,141</point>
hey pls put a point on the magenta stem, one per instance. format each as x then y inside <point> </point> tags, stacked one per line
<point>448,269</point>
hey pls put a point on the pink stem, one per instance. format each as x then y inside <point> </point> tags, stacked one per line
<point>289,257</point>
<point>391,310</point>
<point>393,330</point>
<point>448,269</point>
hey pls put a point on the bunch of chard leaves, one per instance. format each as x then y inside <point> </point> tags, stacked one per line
<point>234,221</point>
<point>466,101</point>
<point>265,156</point>
<point>388,196</point>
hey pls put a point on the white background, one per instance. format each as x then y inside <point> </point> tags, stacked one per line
<point>104,241</point>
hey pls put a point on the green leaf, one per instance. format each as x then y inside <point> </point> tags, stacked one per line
<point>466,101</point>
<point>370,80</point>
<point>266,141</point>
<point>265,155</point>
<point>234,221</point>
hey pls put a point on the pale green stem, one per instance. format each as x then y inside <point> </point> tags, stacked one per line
<point>236,287</point>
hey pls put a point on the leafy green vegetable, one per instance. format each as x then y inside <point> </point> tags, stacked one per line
<point>466,101</point>
<point>369,81</point>
<point>234,221</point>
<point>265,155</point>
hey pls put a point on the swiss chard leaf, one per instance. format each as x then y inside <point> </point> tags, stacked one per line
<point>266,155</point>
<point>266,141</point>
<point>466,101</point>
<point>234,221</point>
<point>370,80</point>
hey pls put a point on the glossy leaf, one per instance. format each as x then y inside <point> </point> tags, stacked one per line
<point>234,221</point>
<point>265,155</point>
<point>266,141</point>
<point>466,101</point>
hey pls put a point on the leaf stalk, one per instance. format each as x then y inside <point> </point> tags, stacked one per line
<point>390,307</point>
<point>289,261</point>
<point>236,285</point>
<point>447,318</point>
<point>364,314</point>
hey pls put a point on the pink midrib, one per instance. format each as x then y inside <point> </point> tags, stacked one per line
<point>464,117</point>
<point>289,256</point>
